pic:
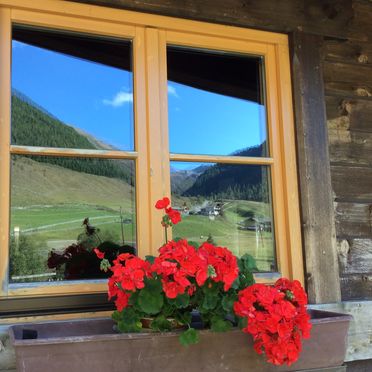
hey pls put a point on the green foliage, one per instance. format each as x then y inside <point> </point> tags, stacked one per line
<point>150,259</point>
<point>161,324</point>
<point>247,266</point>
<point>242,322</point>
<point>128,320</point>
<point>181,301</point>
<point>228,301</point>
<point>189,337</point>
<point>218,324</point>
<point>25,257</point>
<point>151,298</point>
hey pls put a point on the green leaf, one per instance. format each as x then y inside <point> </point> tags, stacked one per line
<point>189,337</point>
<point>182,301</point>
<point>194,244</point>
<point>220,325</point>
<point>228,302</point>
<point>150,259</point>
<point>183,317</point>
<point>210,301</point>
<point>242,322</point>
<point>105,265</point>
<point>154,285</point>
<point>126,327</point>
<point>248,263</point>
<point>161,324</point>
<point>129,320</point>
<point>150,301</point>
<point>117,316</point>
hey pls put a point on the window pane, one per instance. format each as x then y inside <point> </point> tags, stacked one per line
<point>61,208</point>
<point>71,91</point>
<point>227,204</point>
<point>215,103</point>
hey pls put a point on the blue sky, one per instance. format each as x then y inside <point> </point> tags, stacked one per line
<point>98,99</point>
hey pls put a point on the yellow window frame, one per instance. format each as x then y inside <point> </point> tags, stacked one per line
<point>150,35</point>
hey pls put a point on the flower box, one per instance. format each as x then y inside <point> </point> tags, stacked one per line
<point>93,346</point>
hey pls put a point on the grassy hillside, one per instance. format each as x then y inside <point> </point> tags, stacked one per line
<point>33,126</point>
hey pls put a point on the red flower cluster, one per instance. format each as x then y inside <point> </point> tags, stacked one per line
<point>181,264</point>
<point>277,319</point>
<point>128,275</point>
<point>221,261</point>
<point>172,216</point>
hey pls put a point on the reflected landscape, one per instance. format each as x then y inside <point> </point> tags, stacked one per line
<point>228,205</point>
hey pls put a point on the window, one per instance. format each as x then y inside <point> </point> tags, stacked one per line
<point>102,115</point>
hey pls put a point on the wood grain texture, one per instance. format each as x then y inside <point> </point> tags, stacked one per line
<point>348,51</point>
<point>347,72</point>
<point>331,17</point>
<point>353,220</point>
<point>352,183</point>
<point>356,287</point>
<point>358,257</point>
<point>314,172</point>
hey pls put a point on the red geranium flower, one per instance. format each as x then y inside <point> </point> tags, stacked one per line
<point>162,203</point>
<point>99,254</point>
<point>277,319</point>
<point>173,215</point>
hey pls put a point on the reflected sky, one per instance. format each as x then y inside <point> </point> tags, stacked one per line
<point>202,122</point>
<point>98,100</point>
<point>90,96</point>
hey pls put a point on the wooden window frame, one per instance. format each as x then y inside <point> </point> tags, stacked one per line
<point>150,35</point>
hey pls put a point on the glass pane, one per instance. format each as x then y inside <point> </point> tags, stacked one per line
<point>71,91</point>
<point>229,205</point>
<point>61,208</point>
<point>215,103</point>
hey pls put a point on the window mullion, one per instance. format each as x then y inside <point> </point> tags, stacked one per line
<point>141,144</point>
<point>5,56</point>
<point>69,152</point>
<point>157,128</point>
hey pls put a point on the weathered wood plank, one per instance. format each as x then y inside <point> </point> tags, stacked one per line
<point>354,220</point>
<point>352,183</point>
<point>356,287</point>
<point>350,132</point>
<point>313,159</point>
<point>347,72</point>
<point>326,17</point>
<point>355,257</point>
<point>334,107</point>
<point>351,114</point>
<point>354,148</point>
<point>348,51</point>
<point>360,89</point>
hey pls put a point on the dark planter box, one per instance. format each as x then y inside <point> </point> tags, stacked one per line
<point>92,346</point>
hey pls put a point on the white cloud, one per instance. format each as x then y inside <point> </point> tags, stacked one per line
<point>119,99</point>
<point>172,91</point>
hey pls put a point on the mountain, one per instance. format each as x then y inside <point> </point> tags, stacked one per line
<point>182,180</point>
<point>247,182</point>
<point>34,126</point>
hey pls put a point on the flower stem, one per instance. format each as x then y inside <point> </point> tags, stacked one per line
<point>166,234</point>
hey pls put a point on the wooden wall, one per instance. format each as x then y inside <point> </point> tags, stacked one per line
<point>348,89</point>
<point>345,27</point>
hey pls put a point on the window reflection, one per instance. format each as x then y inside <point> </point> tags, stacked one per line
<point>59,213</point>
<point>215,103</point>
<point>228,205</point>
<point>71,91</point>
